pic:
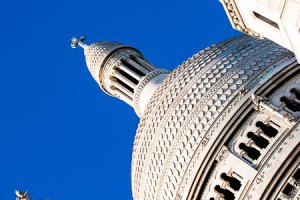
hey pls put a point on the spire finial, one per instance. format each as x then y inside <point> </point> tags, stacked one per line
<point>78,41</point>
<point>22,195</point>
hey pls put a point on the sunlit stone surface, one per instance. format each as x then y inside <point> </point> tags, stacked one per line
<point>223,125</point>
<point>277,20</point>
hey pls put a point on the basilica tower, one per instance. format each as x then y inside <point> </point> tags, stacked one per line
<point>223,125</point>
<point>122,71</point>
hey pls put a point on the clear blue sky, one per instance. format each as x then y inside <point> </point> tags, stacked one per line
<point>62,138</point>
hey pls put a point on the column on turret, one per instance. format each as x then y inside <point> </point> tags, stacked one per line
<point>123,72</point>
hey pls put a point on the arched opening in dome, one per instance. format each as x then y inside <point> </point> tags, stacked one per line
<point>296,92</point>
<point>290,104</point>
<point>296,175</point>
<point>258,140</point>
<point>226,194</point>
<point>267,129</point>
<point>233,182</point>
<point>250,151</point>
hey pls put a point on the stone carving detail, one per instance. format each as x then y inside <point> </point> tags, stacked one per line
<point>287,97</point>
<point>257,137</point>
<point>141,86</point>
<point>158,99</point>
<point>263,105</point>
<point>223,125</point>
<point>279,156</point>
<point>183,116</point>
<point>226,184</point>
<point>236,19</point>
<point>291,189</point>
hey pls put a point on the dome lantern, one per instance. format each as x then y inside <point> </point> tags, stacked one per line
<point>122,71</point>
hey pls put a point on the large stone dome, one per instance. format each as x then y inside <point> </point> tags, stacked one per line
<point>215,122</point>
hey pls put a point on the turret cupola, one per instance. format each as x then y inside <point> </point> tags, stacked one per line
<point>122,71</point>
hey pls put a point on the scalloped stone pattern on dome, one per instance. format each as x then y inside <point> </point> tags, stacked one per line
<point>95,55</point>
<point>184,116</point>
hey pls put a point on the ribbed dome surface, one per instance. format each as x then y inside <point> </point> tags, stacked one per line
<point>187,112</point>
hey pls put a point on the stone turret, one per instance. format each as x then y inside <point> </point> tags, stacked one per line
<point>122,71</point>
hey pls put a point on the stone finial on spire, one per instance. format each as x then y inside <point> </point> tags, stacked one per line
<point>78,41</point>
<point>22,195</point>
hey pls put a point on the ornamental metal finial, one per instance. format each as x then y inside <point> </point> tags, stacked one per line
<point>22,195</point>
<point>78,41</point>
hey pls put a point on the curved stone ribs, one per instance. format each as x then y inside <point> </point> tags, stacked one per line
<point>180,121</point>
<point>260,135</point>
